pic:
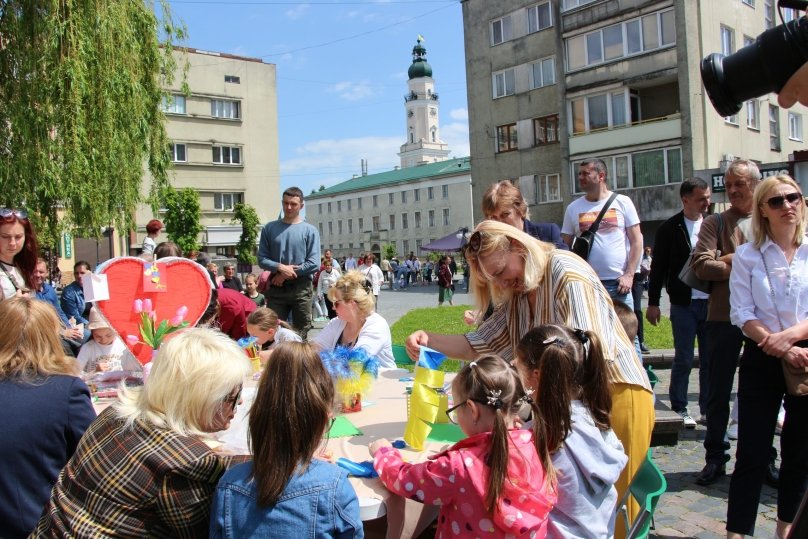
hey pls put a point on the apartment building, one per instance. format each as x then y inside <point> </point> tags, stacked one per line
<point>224,144</point>
<point>552,83</point>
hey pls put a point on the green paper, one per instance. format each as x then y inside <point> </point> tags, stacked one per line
<point>446,432</point>
<point>342,428</point>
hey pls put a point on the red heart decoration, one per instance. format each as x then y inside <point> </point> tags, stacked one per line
<point>187,284</point>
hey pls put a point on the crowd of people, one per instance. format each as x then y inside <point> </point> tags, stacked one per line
<point>553,398</point>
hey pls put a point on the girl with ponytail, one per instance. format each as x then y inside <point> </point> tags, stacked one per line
<point>564,371</point>
<point>495,483</point>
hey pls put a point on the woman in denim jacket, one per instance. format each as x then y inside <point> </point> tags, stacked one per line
<point>285,491</point>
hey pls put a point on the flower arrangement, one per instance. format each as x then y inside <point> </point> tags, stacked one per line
<point>353,370</point>
<point>152,333</point>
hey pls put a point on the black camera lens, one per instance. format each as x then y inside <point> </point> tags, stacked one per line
<point>757,69</point>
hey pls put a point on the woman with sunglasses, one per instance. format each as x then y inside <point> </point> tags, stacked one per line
<point>18,253</point>
<point>357,325</point>
<point>769,302</point>
<point>286,491</point>
<point>145,467</point>
<point>531,283</point>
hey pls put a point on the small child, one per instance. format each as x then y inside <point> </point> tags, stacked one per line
<point>105,351</point>
<point>566,373</point>
<point>498,481</point>
<point>251,286</point>
<point>285,489</point>
<point>264,325</point>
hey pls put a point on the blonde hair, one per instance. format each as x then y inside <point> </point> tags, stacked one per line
<point>266,319</point>
<point>761,229</point>
<point>30,346</point>
<point>192,374</point>
<point>352,286</point>
<point>496,237</point>
<point>504,194</point>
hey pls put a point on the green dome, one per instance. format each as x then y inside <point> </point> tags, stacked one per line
<point>420,67</point>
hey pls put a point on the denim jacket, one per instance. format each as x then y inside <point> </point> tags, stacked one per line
<point>73,302</point>
<point>320,503</point>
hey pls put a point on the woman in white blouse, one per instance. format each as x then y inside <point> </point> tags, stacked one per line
<point>769,302</point>
<point>357,325</point>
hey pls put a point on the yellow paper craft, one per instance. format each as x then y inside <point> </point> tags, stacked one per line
<point>427,406</point>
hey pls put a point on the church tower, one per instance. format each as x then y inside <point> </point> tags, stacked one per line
<point>421,107</point>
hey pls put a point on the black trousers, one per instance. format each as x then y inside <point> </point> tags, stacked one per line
<point>723,346</point>
<point>761,387</point>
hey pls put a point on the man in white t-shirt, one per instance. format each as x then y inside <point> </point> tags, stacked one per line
<point>674,241</point>
<point>617,246</point>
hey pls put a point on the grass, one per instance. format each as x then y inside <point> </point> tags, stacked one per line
<point>449,321</point>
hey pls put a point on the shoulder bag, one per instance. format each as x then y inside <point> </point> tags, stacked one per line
<point>796,378</point>
<point>688,276</point>
<point>582,245</point>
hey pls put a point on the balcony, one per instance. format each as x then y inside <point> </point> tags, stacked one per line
<point>657,129</point>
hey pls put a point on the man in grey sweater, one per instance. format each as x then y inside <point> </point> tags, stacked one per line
<point>290,249</point>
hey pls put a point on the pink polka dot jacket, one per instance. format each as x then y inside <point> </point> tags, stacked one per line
<point>457,479</point>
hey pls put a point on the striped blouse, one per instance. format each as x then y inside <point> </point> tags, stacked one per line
<point>574,298</point>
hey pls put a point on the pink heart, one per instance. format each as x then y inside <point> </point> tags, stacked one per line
<point>187,284</point>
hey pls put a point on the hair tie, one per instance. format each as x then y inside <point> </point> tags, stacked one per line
<point>581,335</point>
<point>473,363</point>
<point>493,398</point>
<point>555,340</point>
<point>526,398</point>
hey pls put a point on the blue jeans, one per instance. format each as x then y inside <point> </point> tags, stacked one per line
<point>724,347</point>
<point>689,322</point>
<point>611,287</point>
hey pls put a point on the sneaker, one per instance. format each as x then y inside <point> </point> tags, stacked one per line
<point>644,349</point>
<point>689,422</point>
<point>732,431</point>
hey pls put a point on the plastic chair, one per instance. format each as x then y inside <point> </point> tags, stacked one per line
<point>401,357</point>
<point>647,486</point>
<point>652,377</point>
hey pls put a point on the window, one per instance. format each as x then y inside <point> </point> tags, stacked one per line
<point>405,244</point>
<point>175,104</point>
<point>569,4</point>
<point>375,223</point>
<point>349,204</point>
<point>727,40</point>
<point>431,217</point>
<point>339,206</point>
<point>501,30</point>
<point>418,244</point>
<point>542,73</point>
<point>417,194</point>
<point>753,114</point>
<point>430,193</point>
<point>404,221</point>
<point>392,222</point>
<point>361,224</point>
<point>227,201</point>
<point>504,83</point>
<point>731,119</point>
<point>330,227</point>
<point>545,130</point>
<point>506,138</point>
<point>359,203</point>
<point>390,199</point>
<point>795,126</point>
<point>750,3</point>
<point>320,208</point>
<point>375,201</point>
<point>445,216</point>
<point>417,219</point>
<point>320,226</point>
<point>350,226</point>
<point>403,197</point>
<point>227,155</point>
<point>445,191</point>
<point>178,153</point>
<point>774,128</point>
<point>548,187</point>
<point>768,13</point>
<point>635,36</point>
<point>221,108</point>
<point>329,207</point>
<point>232,79</point>
<point>599,111</point>
<point>339,227</point>
<point>641,169</point>
<point>539,17</point>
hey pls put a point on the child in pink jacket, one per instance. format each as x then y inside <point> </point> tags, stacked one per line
<point>499,481</point>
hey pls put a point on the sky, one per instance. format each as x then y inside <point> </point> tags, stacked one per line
<point>341,71</point>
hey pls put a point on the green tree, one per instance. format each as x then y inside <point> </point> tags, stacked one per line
<point>182,217</point>
<point>248,217</point>
<point>388,250</point>
<point>80,88</point>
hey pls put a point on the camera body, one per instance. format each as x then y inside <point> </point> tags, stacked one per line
<point>757,69</point>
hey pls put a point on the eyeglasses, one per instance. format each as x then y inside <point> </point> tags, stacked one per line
<point>8,213</point>
<point>451,413</point>
<point>475,242</point>
<point>777,202</point>
<point>233,400</point>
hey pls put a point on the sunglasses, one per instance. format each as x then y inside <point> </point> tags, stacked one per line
<point>777,202</point>
<point>233,399</point>
<point>475,242</point>
<point>9,213</point>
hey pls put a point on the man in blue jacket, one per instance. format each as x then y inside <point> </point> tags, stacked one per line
<point>72,300</point>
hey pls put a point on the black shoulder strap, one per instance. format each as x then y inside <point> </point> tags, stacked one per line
<point>596,225</point>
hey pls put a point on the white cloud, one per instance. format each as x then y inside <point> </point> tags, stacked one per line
<point>456,135</point>
<point>331,161</point>
<point>353,91</point>
<point>297,11</point>
<point>459,114</point>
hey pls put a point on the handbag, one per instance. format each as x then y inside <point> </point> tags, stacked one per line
<point>688,276</point>
<point>582,245</point>
<point>796,378</point>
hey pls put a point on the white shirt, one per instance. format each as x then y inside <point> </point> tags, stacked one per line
<point>693,228</point>
<point>284,335</point>
<point>8,288</point>
<point>374,273</point>
<point>609,254</point>
<point>116,354</point>
<point>148,246</point>
<point>374,337</point>
<point>750,296</point>
<point>350,263</point>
